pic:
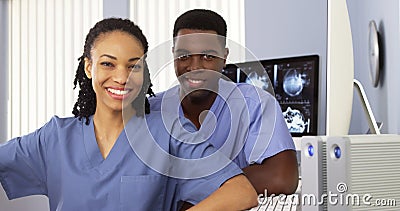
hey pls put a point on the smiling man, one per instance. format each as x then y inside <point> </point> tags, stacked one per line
<point>199,58</point>
<point>241,120</point>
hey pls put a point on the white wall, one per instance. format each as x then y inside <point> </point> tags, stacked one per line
<point>287,28</point>
<point>384,99</point>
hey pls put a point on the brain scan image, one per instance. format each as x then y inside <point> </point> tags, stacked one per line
<point>295,120</point>
<point>258,80</point>
<point>292,83</point>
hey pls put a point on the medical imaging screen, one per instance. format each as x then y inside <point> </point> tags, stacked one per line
<point>294,81</point>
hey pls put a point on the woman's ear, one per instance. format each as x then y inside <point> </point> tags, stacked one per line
<point>88,68</point>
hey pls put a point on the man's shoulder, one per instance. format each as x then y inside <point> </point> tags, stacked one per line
<point>247,91</point>
<point>170,94</point>
<point>157,97</point>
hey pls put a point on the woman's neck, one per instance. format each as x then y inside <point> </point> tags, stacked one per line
<point>107,127</point>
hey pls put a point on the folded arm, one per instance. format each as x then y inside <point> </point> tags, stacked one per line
<point>277,174</point>
<point>236,193</point>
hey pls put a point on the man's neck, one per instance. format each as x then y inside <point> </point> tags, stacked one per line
<point>192,109</point>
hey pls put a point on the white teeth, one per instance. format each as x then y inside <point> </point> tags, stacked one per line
<point>117,92</point>
<point>195,81</point>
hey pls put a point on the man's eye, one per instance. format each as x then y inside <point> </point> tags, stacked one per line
<point>183,57</point>
<point>208,57</point>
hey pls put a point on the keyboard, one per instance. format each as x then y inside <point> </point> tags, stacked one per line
<point>278,203</point>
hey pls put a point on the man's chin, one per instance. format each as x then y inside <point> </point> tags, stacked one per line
<point>198,96</point>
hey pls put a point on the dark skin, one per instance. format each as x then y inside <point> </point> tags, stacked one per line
<point>198,74</point>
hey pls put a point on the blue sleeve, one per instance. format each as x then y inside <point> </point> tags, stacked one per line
<point>205,168</point>
<point>23,164</point>
<point>196,190</point>
<point>268,132</point>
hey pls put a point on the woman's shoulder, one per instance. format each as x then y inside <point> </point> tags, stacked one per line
<point>61,123</point>
<point>66,120</point>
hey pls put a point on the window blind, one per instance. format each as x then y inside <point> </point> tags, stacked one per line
<point>46,38</point>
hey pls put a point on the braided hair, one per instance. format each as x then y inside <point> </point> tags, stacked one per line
<point>86,103</point>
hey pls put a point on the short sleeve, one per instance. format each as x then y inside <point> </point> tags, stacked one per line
<point>23,163</point>
<point>268,133</point>
<point>196,190</point>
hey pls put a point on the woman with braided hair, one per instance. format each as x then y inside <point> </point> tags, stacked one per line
<point>102,159</point>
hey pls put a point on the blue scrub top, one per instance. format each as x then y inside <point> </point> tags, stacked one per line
<point>62,161</point>
<point>244,122</point>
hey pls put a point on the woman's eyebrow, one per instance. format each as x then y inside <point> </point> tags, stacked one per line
<point>115,58</point>
<point>109,56</point>
<point>133,59</point>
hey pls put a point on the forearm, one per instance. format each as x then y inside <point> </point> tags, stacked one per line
<point>278,174</point>
<point>235,194</point>
<point>273,183</point>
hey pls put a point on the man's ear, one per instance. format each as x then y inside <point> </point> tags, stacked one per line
<point>226,53</point>
<point>88,68</point>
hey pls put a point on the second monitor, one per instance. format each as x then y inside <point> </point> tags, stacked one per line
<point>293,81</point>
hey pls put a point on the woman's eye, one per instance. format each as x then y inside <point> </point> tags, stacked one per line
<point>135,67</point>
<point>106,64</point>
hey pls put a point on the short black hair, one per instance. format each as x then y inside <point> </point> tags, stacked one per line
<point>201,19</point>
<point>86,103</point>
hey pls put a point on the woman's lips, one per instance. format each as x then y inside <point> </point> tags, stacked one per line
<point>118,94</point>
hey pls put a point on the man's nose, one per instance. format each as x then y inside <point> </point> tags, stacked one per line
<point>196,62</point>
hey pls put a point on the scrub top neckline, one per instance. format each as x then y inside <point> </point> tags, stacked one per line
<point>93,152</point>
<point>213,108</point>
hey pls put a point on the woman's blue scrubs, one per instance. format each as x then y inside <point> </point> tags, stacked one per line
<point>62,161</point>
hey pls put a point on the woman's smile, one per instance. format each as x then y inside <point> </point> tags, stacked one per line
<point>118,93</point>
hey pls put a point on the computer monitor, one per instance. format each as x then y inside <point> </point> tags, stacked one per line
<point>294,82</point>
